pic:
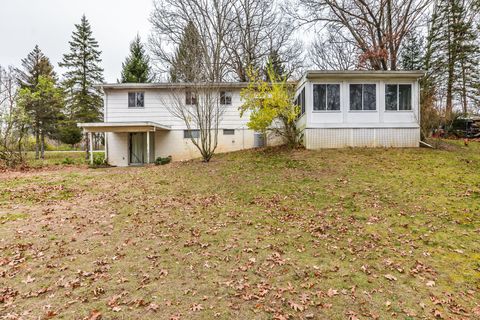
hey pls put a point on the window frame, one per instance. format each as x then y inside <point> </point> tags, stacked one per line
<point>363,109</point>
<point>187,134</point>
<point>326,97</point>
<point>136,99</point>
<point>231,132</point>
<point>300,101</point>
<point>226,94</point>
<point>193,98</point>
<point>398,84</point>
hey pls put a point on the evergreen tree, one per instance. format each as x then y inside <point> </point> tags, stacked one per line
<point>411,57</point>
<point>42,116</point>
<point>84,100</point>
<point>187,65</point>
<point>452,53</point>
<point>83,72</point>
<point>274,66</point>
<point>136,67</point>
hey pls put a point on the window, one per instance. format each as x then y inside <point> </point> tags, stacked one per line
<point>136,100</point>
<point>190,98</point>
<point>225,97</point>
<point>326,97</point>
<point>228,132</point>
<point>398,97</point>
<point>187,134</point>
<point>300,101</point>
<point>363,97</point>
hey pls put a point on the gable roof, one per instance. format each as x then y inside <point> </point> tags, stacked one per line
<point>170,85</point>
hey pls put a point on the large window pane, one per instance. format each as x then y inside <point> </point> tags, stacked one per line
<point>391,97</point>
<point>355,97</point>
<point>131,99</point>
<point>140,99</point>
<point>319,96</point>
<point>369,97</point>
<point>405,97</point>
<point>333,97</point>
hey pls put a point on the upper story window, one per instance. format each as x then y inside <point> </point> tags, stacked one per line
<point>300,101</point>
<point>398,97</point>
<point>363,97</point>
<point>136,99</point>
<point>190,98</point>
<point>225,97</point>
<point>326,97</point>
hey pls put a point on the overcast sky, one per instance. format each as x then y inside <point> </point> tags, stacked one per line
<point>49,23</point>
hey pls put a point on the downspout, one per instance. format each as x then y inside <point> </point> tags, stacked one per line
<point>105,118</point>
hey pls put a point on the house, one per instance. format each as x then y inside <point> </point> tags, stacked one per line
<point>338,109</point>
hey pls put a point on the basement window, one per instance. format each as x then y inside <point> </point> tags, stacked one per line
<point>136,99</point>
<point>191,134</point>
<point>398,97</point>
<point>228,132</point>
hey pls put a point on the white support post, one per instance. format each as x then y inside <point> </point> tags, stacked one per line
<point>90,147</point>
<point>148,146</point>
<point>106,147</point>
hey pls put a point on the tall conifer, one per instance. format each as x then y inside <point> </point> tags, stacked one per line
<point>136,67</point>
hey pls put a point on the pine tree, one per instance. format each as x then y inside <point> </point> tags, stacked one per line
<point>187,65</point>
<point>36,64</point>
<point>274,66</point>
<point>411,57</point>
<point>452,53</point>
<point>84,100</point>
<point>83,72</point>
<point>36,76</point>
<point>136,67</point>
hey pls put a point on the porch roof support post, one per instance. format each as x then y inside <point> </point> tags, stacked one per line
<point>90,147</point>
<point>148,146</point>
<point>106,146</point>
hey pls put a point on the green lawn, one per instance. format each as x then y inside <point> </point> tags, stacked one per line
<point>330,234</point>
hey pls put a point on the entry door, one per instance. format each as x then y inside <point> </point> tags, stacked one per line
<point>138,147</point>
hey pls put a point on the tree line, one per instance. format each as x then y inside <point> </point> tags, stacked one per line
<point>230,40</point>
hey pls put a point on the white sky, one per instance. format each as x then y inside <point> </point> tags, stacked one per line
<point>49,23</point>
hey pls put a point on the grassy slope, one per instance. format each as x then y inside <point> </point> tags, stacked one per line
<point>252,235</point>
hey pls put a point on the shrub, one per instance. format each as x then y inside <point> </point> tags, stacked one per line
<point>162,161</point>
<point>68,160</point>
<point>98,159</point>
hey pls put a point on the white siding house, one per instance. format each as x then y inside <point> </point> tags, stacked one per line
<point>359,109</point>
<point>139,126</point>
<point>339,109</point>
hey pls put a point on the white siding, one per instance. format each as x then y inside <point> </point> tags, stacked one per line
<point>157,104</point>
<point>361,137</point>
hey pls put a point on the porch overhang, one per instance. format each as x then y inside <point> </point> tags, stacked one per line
<point>132,126</point>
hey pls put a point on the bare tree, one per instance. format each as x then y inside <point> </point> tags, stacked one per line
<point>198,106</point>
<point>13,121</point>
<point>211,18</point>
<point>334,51</point>
<point>377,27</point>
<point>258,30</point>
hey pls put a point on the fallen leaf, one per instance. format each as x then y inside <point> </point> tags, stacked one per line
<point>296,306</point>
<point>390,277</point>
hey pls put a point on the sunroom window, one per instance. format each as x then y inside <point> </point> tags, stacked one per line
<point>326,97</point>
<point>398,97</point>
<point>363,97</point>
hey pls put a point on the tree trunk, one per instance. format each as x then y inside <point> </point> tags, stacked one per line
<point>37,144</point>
<point>42,144</point>
<point>87,143</point>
